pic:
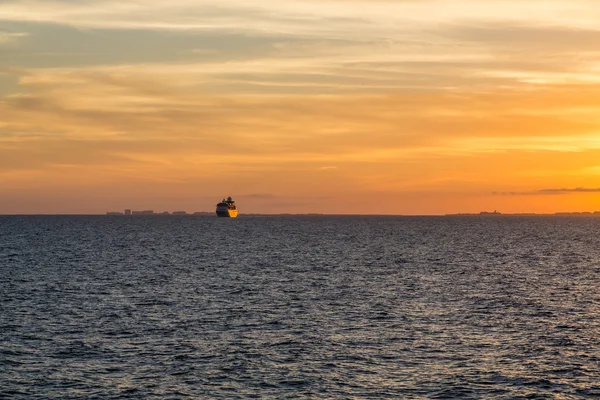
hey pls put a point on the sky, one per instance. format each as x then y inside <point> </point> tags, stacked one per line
<point>300,106</point>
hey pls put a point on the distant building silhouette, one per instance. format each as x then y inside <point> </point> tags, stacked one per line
<point>144,212</point>
<point>490,213</point>
<point>127,211</point>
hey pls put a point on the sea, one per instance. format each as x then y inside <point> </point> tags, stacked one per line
<point>293,307</point>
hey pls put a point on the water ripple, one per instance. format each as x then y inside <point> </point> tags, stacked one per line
<point>299,307</point>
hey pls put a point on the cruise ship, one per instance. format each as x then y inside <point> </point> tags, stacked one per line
<point>227,208</point>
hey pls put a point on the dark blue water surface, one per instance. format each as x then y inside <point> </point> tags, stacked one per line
<point>299,307</point>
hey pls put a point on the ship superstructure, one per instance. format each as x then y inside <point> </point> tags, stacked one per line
<point>227,208</point>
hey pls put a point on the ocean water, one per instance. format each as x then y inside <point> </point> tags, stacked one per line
<point>288,307</point>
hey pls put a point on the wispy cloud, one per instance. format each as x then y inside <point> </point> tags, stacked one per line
<point>9,38</point>
<point>573,190</point>
<point>258,196</point>
<point>545,192</point>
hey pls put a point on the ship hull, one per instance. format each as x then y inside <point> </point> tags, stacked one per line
<point>227,213</point>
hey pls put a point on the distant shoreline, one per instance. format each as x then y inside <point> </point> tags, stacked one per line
<point>211,214</point>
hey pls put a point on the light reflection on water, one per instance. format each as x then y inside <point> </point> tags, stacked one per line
<point>288,307</point>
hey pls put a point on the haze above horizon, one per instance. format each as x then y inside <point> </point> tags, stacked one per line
<point>298,106</point>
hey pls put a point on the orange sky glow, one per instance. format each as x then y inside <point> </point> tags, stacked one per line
<point>300,106</point>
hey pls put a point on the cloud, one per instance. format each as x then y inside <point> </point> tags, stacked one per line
<point>9,38</point>
<point>182,15</point>
<point>128,104</point>
<point>258,196</point>
<point>514,36</point>
<point>573,190</point>
<point>543,192</point>
<point>295,48</point>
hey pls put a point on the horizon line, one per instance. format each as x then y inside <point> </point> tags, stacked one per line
<point>210,214</point>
